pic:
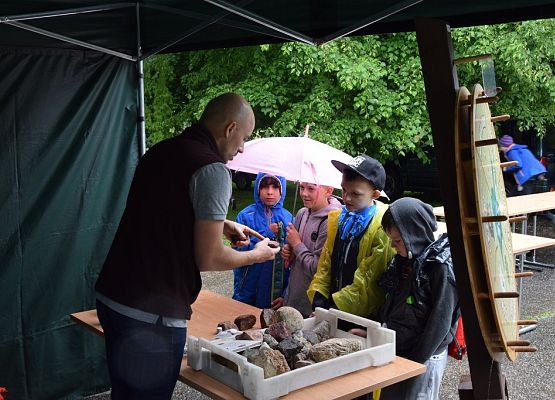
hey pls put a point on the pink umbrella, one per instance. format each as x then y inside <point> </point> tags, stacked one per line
<point>298,159</point>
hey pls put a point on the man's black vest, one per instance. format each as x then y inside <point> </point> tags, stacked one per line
<point>151,265</point>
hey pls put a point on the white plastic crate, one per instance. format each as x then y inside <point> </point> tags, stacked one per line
<point>378,349</point>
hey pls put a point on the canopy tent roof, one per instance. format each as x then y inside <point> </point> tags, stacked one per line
<point>172,25</point>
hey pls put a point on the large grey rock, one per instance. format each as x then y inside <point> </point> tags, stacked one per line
<point>333,348</point>
<point>291,316</point>
<point>271,361</point>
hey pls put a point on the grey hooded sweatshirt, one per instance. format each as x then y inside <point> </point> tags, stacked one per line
<point>313,228</point>
<point>421,296</point>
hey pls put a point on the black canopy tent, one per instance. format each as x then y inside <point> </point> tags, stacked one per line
<point>70,111</point>
<point>135,30</point>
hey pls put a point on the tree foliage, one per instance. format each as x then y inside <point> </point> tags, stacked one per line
<point>363,94</point>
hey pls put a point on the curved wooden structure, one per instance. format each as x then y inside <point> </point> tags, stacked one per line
<point>486,227</point>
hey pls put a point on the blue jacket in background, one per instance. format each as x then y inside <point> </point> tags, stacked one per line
<point>528,165</point>
<point>252,284</point>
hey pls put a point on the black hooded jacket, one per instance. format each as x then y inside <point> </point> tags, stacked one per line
<point>421,296</point>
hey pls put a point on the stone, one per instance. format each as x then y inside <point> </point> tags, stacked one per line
<point>322,329</point>
<point>227,325</point>
<point>291,316</point>
<point>279,331</point>
<point>265,317</point>
<point>270,340</point>
<point>251,334</point>
<point>251,353</point>
<point>271,361</point>
<point>311,337</point>
<point>290,347</point>
<point>333,348</point>
<point>245,321</point>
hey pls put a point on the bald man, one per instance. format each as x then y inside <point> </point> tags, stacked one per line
<point>170,231</point>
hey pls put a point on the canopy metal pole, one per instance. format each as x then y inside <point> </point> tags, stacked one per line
<point>68,11</point>
<point>141,92</point>
<point>369,21</point>
<point>63,38</point>
<point>261,20</point>
<point>208,20</point>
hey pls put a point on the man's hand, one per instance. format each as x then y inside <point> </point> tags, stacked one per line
<point>277,303</point>
<point>239,234</point>
<point>266,250</point>
<point>293,236</point>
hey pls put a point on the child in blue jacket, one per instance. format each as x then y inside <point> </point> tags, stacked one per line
<point>263,284</point>
<point>526,171</point>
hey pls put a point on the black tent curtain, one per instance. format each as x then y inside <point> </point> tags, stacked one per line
<point>68,134</point>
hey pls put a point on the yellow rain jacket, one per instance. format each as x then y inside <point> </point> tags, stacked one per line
<point>363,296</point>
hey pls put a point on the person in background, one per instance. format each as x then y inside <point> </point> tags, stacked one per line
<point>421,303</point>
<point>170,231</point>
<point>263,284</point>
<point>357,251</point>
<point>525,172</point>
<point>306,237</point>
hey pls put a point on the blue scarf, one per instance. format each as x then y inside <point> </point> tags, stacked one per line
<point>353,223</point>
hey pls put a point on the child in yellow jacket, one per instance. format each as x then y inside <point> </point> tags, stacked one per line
<point>357,251</point>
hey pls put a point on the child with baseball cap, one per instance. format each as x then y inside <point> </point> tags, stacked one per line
<point>357,251</point>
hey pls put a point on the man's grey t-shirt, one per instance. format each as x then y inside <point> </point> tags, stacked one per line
<point>210,192</point>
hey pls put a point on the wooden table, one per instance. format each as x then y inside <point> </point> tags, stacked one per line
<point>524,205</point>
<point>211,308</point>
<point>521,205</point>
<point>521,243</point>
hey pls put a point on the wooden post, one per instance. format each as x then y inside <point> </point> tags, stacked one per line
<point>441,83</point>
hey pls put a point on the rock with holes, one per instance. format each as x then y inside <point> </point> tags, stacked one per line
<point>333,348</point>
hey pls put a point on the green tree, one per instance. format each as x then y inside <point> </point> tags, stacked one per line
<point>524,60</point>
<point>362,94</point>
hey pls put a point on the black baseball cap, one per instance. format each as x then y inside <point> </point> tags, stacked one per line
<point>367,167</point>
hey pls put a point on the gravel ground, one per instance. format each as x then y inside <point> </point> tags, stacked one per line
<point>529,377</point>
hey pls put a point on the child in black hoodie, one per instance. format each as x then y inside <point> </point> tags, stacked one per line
<point>421,297</point>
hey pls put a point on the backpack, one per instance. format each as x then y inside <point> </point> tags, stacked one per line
<point>457,348</point>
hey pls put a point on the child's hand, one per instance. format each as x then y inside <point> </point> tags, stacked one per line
<point>277,303</point>
<point>358,332</point>
<point>287,254</point>
<point>293,237</point>
<point>274,228</point>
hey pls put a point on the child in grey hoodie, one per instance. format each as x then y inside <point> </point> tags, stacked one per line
<point>421,297</point>
<point>306,238</point>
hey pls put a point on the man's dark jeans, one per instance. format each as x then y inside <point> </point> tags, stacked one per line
<point>143,359</point>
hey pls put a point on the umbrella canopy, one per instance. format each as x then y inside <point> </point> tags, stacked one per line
<point>298,159</point>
